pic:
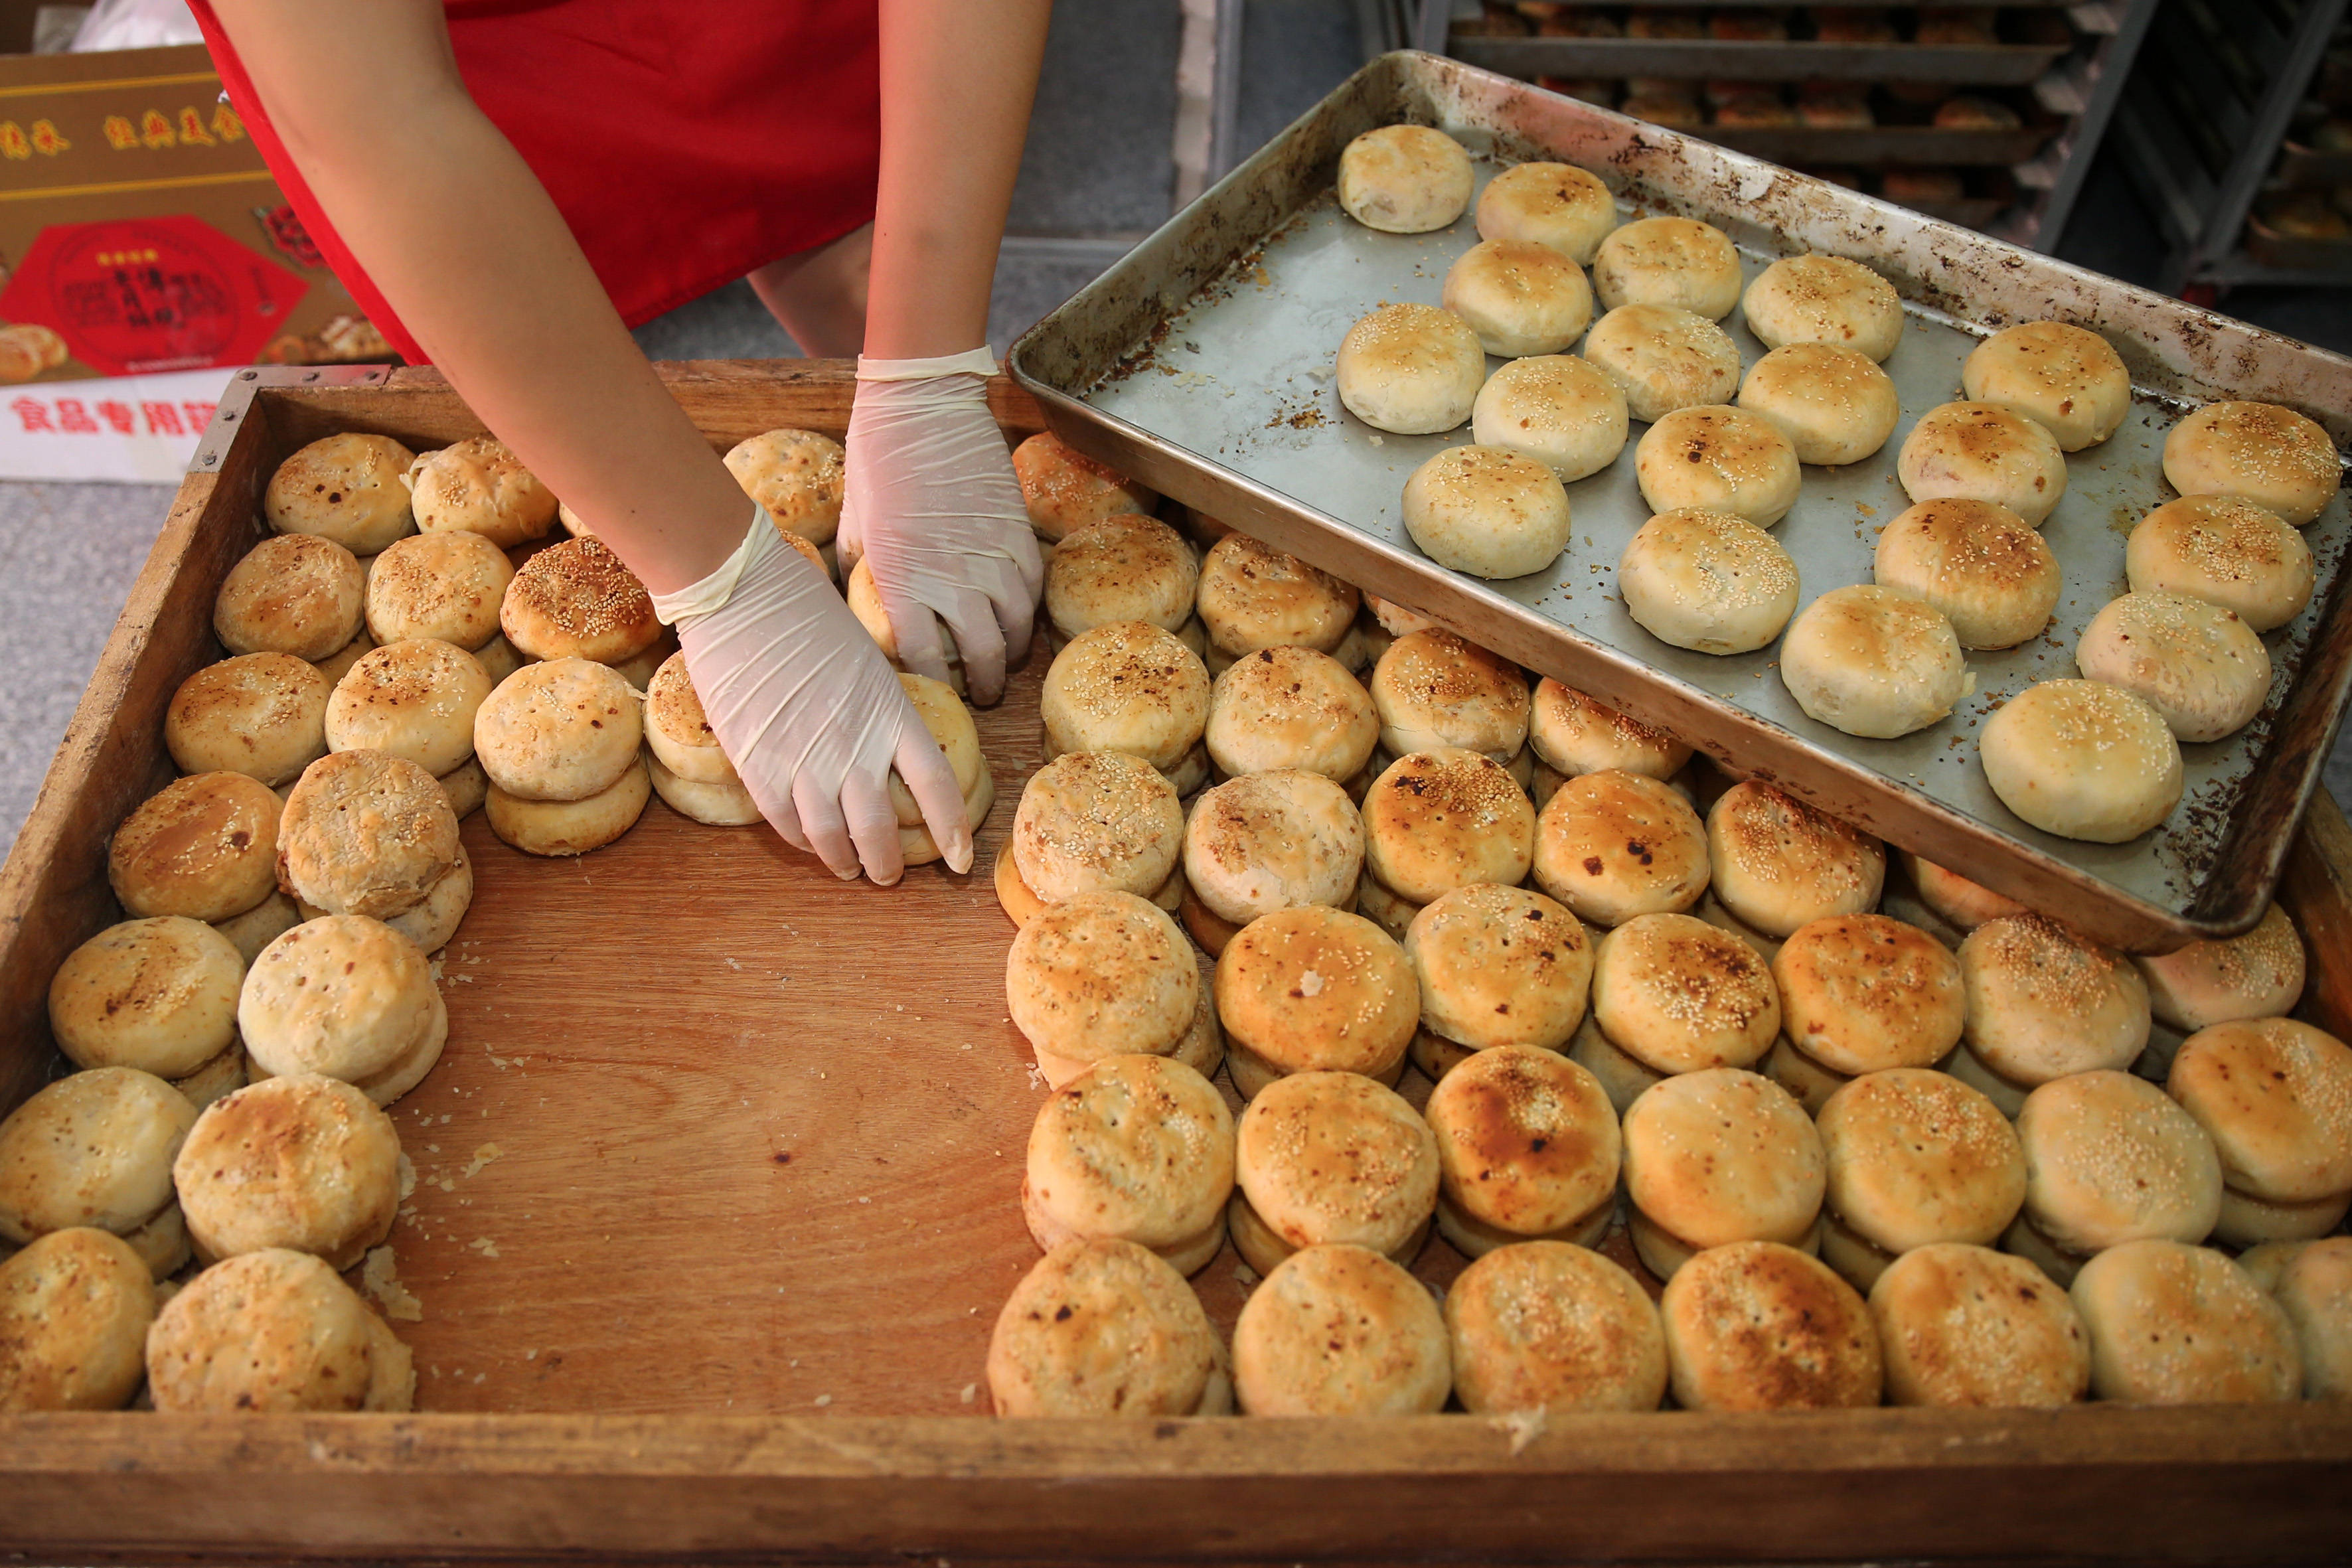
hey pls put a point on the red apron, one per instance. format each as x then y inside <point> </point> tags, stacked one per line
<point>685,146</point>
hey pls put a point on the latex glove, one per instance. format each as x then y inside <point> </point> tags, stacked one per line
<point>810,712</point>
<point>932,504</point>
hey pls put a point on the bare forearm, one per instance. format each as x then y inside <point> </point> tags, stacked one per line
<point>957,78</point>
<point>459,233</point>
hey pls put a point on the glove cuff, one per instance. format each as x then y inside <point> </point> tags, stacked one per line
<point>971,362</point>
<point>696,600</point>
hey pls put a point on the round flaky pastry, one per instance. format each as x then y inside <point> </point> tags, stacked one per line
<point>2082,760</point>
<point>413,699</point>
<point>2257,975</point>
<point>158,994</point>
<point>1487,511</point>
<point>1718,459</point>
<point>2200,666</point>
<point>1834,405</point>
<point>2064,378</point>
<point>344,487</point>
<point>1875,662</point>
<point>1555,408</point>
<point>1291,708</point>
<point>2227,551</point>
<point>1614,845</point>
<point>1554,205</point>
<point>1992,576</point>
<point>2259,452</point>
<point>1677,262</point>
<point>1101,1327</point>
<point>1519,297</point>
<point>1140,1148</point>
<point>2043,1001</point>
<point>1547,1326</point>
<point>1864,992</point>
<point>1776,863</point>
<point>1964,1325</point>
<point>1253,597</point>
<point>1314,989</point>
<point>1095,822</point>
<point>364,832</point>
<point>1663,359</point>
<point>264,715</point>
<point>1572,733</point>
<point>1413,370</point>
<point>1500,966</point>
<point>1974,451</point>
<point>295,593</point>
<point>1340,1330</point>
<point>1681,995</point>
<point>1404,179</point>
<point>449,585</point>
<point>1759,1326</point>
<point>1712,582</point>
<point>480,486</point>
<point>1126,686</point>
<point>204,847</point>
<point>1097,975</point>
<point>1825,299</point>
<point>563,729</point>
<point>1272,841</point>
<point>796,476</point>
<point>1065,490</point>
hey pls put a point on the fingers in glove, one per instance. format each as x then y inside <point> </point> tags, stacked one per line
<point>972,617</point>
<point>827,830</point>
<point>874,826</point>
<point>1014,604</point>
<point>1029,562</point>
<point>931,779</point>
<point>916,630</point>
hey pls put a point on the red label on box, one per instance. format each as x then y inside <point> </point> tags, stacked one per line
<point>139,295</point>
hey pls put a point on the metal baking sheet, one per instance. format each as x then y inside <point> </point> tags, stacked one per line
<point>1872,146</point>
<point>1202,364</point>
<point>1971,65</point>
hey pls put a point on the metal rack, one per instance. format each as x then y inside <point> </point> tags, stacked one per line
<point>2203,131</point>
<point>2028,179</point>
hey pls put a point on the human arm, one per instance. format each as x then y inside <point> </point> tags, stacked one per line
<point>932,503</point>
<point>463,240</point>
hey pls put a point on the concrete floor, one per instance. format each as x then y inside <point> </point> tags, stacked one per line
<point>1097,164</point>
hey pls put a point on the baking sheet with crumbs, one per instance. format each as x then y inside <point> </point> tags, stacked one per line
<point>1242,377</point>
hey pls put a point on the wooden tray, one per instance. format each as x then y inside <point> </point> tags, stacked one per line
<point>724,1285</point>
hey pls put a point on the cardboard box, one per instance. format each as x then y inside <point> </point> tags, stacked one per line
<point>140,233</point>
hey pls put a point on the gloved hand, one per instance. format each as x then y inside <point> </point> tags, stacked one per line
<point>810,712</point>
<point>932,504</point>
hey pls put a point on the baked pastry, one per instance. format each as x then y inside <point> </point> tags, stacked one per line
<point>346,998</point>
<point>1715,1156</point>
<point>2314,1289</point>
<point>1991,574</point>
<point>348,489</point>
<point>1615,846</point>
<point>1825,299</point>
<point>563,729</point>
<point>202,845</point>
<point>1264,842</point>
<point>264,715</point>
<point>564,827</point>
<point>1527,1148</point>
<point>1554,205</point>
<point>1433,688</point>
<point>1677,262</point>
<point>274,1330</point>
<point>2257,975</point>
<point>2065,377</point>
<point>1757,106</point>
<point>1708,582</point>
<point>1915,1157</point>
<point>1520,297</point>
<point>1952,898</point>
<point>158,994</point>
<point>1123,568</point>
<point>1324,1158</point>
<point>416,701</point>
<point>1681,995</point>
<point>434,921</point>
<point>1442,819</point>
<point>1102,1328</point>
<point>1718,460</point>
<point>1975,451</point>
<point>481,487</point>
<point>1254,598</point>
<point>1404,179</point>
<point>1096,822</point>
<point>1778,864</point>
<point>1314,989</point>
<point>1066,489</point>
<point>365,834</point>
<point>577,600</point>
<point>1097,975</point>
<point>295,593</point>
<point>95,1149</point>
<point>1663,359</point>
<point>678,732</point>
<point>2198,665</point>
<point>1411,369</point>
<point>2082,760</point>
<point>1555,408</point>
<point>1873,662</point>
<point>74,1310</point>
<point>1340,1330</point>
<point>1867,993</point>
<point>796,476</point>
<point>1759,1326</point>
<point>2258,452</point>
<point>1128,686</point>
<point>1572,733</point>
<point>2174,1324</point>
<point>1964,1325</point>
<point>726,805</point>
<point>1136,1148</point>
<point>2109,1160</point>
<point>865,601</point>
<point>2227,551</point>
<point>1547,1327</point>
<point>1385,908</point>
<point>2275,1097</point>
<point>1499,967</point>
<point>1487,511</point>
<point>1674,110</point>
<point>303,1162</point>
<point>2043,1001</point>
<point>1834,108</point>
<point>449,585</point>
<point>1834,406</point>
